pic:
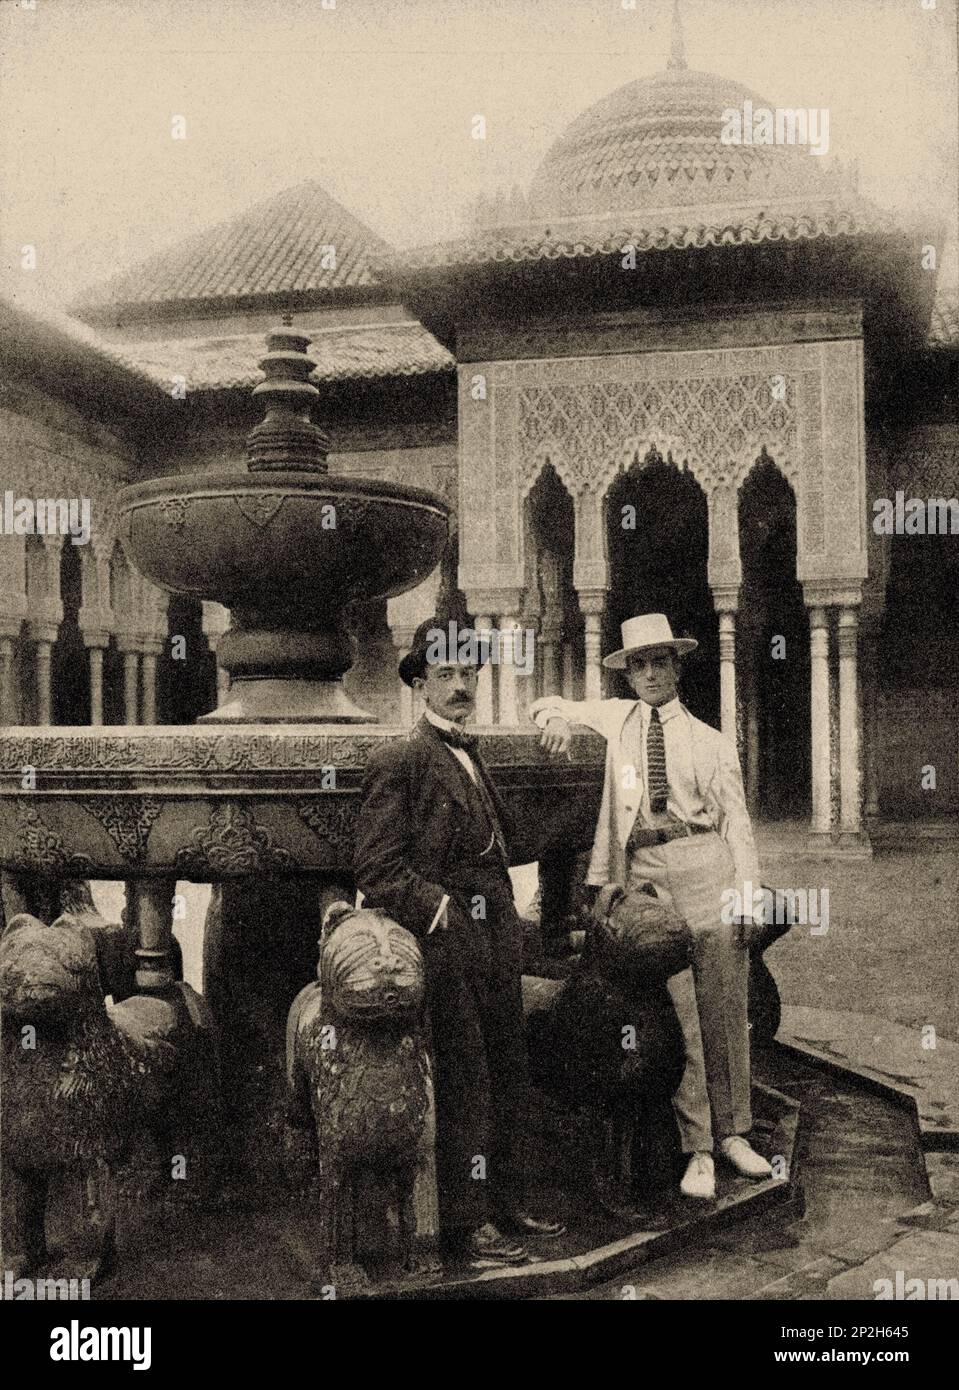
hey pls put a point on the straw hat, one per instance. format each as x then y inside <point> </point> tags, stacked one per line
<point>648,630</point>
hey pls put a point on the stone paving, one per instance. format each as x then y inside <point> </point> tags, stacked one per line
<point>868,1211</point>
<point>891,945</point>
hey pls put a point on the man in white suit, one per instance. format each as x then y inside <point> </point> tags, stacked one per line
<point>674,814</point>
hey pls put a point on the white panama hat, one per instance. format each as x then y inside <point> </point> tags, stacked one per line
<point>648,630</point>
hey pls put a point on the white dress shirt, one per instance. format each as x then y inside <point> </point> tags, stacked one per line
<point>683,799</point>
<point>460,754</point>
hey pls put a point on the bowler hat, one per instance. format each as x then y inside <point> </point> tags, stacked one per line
<point>442,641</point>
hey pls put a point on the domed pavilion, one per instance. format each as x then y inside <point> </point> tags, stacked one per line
<point>676,355</point>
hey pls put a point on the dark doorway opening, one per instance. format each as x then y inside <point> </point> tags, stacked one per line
<point>657,533</point>
<point>772,649</point>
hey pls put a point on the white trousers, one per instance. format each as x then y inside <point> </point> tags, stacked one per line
<point>710,999</point>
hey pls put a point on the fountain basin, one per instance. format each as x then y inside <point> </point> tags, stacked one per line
<point>287,551</point>
<point>297,541</point>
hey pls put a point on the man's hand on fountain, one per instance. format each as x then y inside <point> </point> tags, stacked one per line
<point>556,736</point>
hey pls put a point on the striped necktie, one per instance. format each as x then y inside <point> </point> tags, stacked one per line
<point>656,763</point>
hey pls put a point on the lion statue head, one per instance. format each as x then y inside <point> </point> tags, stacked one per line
<point>370,966</point>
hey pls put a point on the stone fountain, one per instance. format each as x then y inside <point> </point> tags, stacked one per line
<point>286,548</point>
<point>258,798</point>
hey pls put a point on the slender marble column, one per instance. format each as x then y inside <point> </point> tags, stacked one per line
<point>96,685</point>
<point>508,701</point>
<point>819,723</point>
<point>150,913</point>
<point>44,650</point>
<point>131,682</point>
<point>149,669</point>
<point>484,684</point>
<point>592,603</point>
<point>850,769</point>
<point>8,701</point>
<point>727,674</point>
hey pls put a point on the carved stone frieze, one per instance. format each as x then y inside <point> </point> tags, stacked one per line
<point>260,509</point>
<point>715,426</point>
<point>38,849</point>
<point>128,821</point>
<point>98,757</point>
<point>173,512</point>
<point>231,843</point>
<point>333,821</point>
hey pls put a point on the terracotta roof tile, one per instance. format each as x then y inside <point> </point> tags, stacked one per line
<point>363,352</point>
<point>579,237</point>
<point>275,247</point>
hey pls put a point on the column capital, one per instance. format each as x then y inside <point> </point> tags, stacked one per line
<point>490,602</point>
<point>839,593</point>
<point>592,601</point>
<point>95,621</point>
<point>725,597</point>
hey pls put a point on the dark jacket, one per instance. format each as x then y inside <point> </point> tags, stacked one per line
<point>421,832</point>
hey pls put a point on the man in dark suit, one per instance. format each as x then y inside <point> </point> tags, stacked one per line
<point>432,850</point>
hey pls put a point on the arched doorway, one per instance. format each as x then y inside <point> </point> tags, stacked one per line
<point>69,666</point>
<point>772,649</point>
<point>657,537</point>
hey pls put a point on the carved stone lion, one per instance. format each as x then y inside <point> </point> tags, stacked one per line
<point>81,1080</point>
<point>357,1066</point>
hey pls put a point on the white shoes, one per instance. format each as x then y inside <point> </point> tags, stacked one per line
<point>744,1158</point>
<point>699,1180</point>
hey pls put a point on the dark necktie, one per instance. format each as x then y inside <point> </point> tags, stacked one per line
<point>656,763</point>
<point>456,738</point>
<point>469,743</point>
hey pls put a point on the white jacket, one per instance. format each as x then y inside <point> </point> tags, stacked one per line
<point>718,779</point>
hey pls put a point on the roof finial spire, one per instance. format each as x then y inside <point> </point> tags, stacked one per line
<point>677,50</point>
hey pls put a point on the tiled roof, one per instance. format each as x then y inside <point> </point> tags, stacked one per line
<point>363,352</point>
<point>275,247</point>
<point>593,237</point>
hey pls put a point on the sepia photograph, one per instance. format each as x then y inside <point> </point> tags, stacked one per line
<point>479,667</point>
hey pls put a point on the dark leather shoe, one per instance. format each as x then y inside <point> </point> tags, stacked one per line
<point>528,1225</point>
<point>488,1248</point>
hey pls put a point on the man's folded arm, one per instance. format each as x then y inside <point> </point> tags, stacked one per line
<point>383,851</point>
<point>594,714</point>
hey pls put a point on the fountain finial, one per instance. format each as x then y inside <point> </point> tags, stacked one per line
<point>677,53</point>
<point>286,437</point>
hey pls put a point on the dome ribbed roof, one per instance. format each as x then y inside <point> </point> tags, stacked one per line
<point>656,142</point>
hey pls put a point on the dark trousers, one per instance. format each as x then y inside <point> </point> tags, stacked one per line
<point>480,1074</point>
